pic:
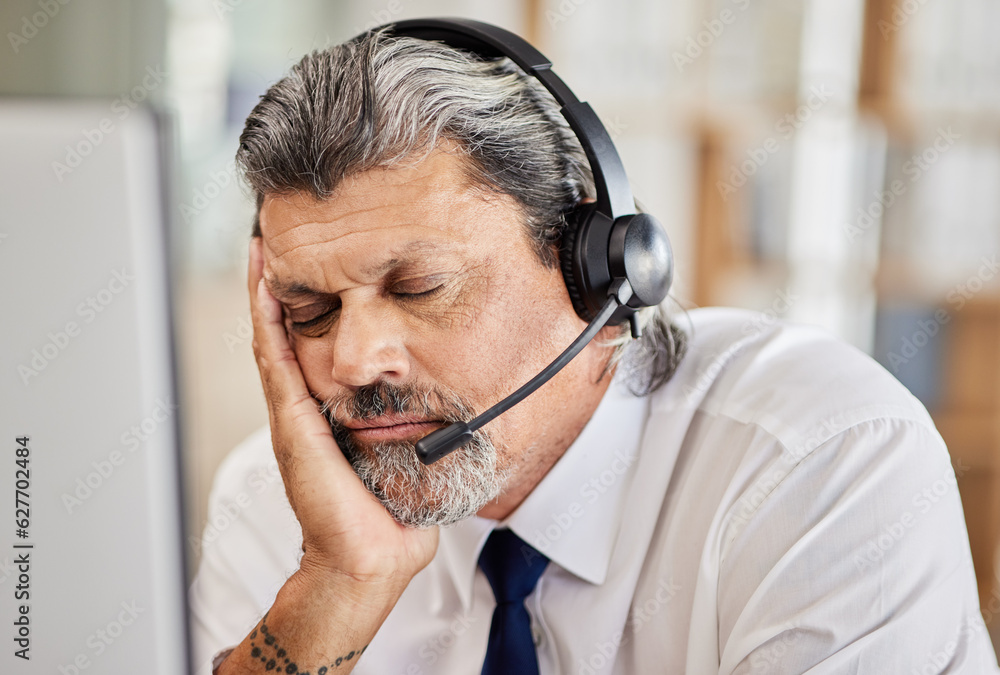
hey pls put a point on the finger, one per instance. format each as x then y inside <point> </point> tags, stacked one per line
<point>281,376</point>
<point>293,411</point>
<point>255,266</point>
<point>255,280</point>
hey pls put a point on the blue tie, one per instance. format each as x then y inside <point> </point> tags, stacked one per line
<point>512,567</point>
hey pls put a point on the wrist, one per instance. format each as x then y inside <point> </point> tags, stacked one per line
<point>365,598</point>
<point>319,618</point>
<point>371,576</point>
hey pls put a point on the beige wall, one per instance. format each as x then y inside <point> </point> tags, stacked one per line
<point>85,48</point>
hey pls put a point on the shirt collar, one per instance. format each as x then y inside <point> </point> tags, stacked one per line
<point>573,514</point>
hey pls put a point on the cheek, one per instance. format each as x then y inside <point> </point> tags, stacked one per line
<point>521,325</point>
<point>315,362</point>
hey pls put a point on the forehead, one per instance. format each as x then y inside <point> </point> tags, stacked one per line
<point>412,208</point>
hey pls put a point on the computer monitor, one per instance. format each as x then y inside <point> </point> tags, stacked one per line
<point>92,568</point>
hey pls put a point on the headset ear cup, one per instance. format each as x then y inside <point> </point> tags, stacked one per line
<point>639,251</point>
<point>567,254</point>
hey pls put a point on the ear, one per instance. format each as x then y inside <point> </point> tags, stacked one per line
<point>612,332</point>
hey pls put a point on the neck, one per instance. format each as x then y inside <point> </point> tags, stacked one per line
<point>534,459</point>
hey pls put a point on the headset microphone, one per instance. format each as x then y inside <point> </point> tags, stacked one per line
<point>614,261</point>
<point>439,443</point>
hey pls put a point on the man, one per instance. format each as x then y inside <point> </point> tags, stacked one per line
<point>770,501</point>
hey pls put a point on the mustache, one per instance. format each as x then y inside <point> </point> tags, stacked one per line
<point>384,398</point>
<point>414,494</point>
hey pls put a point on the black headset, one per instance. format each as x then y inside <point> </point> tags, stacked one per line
<point>614,261</point>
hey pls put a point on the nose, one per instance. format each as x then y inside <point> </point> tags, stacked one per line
<point>368,347</point>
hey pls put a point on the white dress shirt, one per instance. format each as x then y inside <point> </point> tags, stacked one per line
<point>782,505</point>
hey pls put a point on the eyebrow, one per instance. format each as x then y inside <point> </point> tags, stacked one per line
<point>289,289</point>
<point>281,288</point>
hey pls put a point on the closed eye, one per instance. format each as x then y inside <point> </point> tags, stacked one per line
<point>419,287</point>
<point>408,290</point>
<point>318,320</point>
<point>313,321</point>
<point>419,294</point>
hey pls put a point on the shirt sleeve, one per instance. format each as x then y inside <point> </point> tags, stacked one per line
<point>855,561</point>
<point>251,544</point>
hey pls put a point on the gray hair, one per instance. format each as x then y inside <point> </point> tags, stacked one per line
<point>379,100</point>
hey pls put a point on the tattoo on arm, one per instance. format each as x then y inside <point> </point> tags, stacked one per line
<point>264,646</point>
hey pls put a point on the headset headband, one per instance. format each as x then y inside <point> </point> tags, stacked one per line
<point>614,194</point>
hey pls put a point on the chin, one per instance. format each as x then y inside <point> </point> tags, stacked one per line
<point>417,495</point>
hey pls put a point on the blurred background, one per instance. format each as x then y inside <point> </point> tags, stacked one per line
<point>835,162</point>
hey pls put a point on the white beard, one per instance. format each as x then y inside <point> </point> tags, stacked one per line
<point>418,495</point>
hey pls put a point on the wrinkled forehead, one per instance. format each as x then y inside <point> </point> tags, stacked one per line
<point>434,196</point>
<point>384,219</point>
